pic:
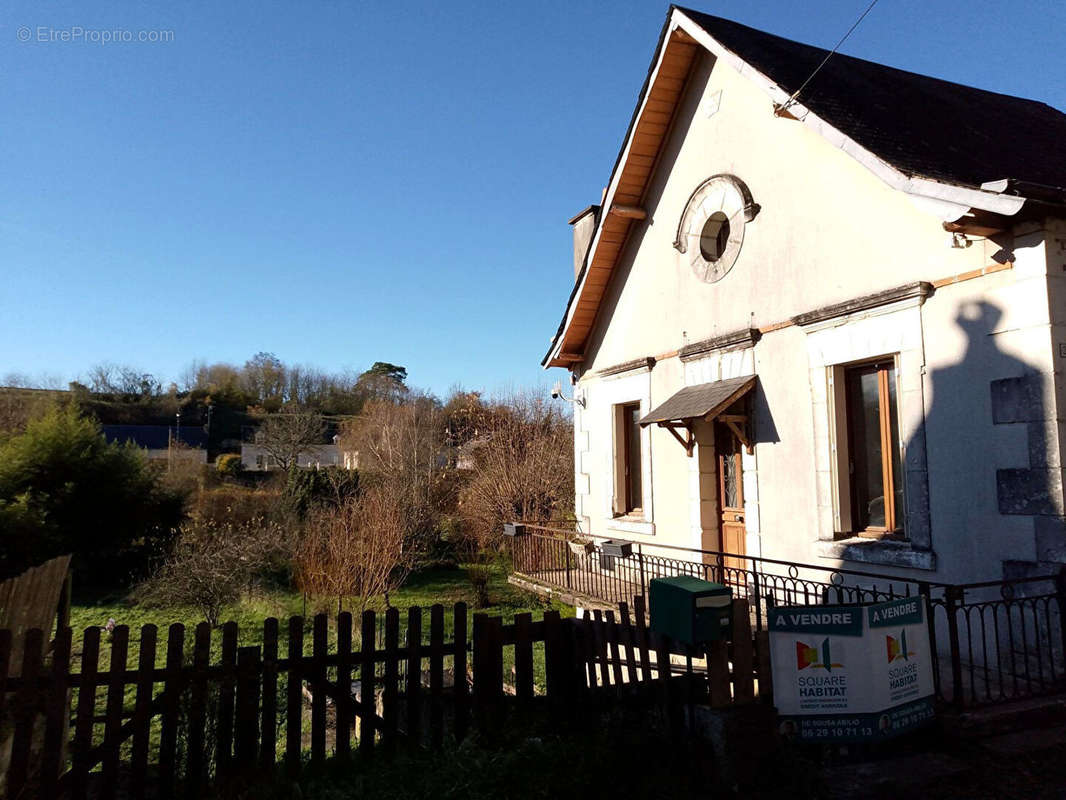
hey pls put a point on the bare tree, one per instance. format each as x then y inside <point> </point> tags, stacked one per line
<point>401,446</point>
<point>108,378</point>
<point>264,379</point>
<point>361,548</point>
<point>523,467</point>
<point>213,565</point>
<point>288,433</point>
<point>18,407</point>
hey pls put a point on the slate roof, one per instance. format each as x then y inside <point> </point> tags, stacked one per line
<point>922,126</point>
<point>153,437</point>
<point>694,402</point>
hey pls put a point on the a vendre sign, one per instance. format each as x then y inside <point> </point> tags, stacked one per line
<point>851,673</point>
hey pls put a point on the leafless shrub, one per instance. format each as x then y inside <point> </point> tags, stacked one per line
<point>182,471</point>
<point>361,548</point>
<point>478,575</point>
<point>213,565</point>
<point>401,449</point>
<point>236,505</point>
<point>522,468</point>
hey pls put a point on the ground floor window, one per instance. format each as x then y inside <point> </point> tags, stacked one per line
<point>628,459</point>
<point>875,471</point>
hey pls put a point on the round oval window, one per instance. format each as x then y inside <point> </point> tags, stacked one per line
<point>715,236</point>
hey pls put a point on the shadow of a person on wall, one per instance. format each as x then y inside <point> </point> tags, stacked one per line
<point>961,450</point>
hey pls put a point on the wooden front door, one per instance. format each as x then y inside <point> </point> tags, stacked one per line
<point>732,531</point>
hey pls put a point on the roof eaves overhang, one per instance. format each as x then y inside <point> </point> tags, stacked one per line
<point>612,229</point>
<point>948,202</point>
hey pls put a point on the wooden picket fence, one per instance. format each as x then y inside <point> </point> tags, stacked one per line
<point>176,722</point>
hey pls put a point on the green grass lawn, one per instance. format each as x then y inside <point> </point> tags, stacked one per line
<point>440,585</point>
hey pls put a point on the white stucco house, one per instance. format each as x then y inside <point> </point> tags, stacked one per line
<point>256,457</point>
<point>825,328</point>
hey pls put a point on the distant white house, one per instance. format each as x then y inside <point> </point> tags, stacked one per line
<point>255,458</point>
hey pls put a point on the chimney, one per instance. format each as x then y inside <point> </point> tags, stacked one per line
<point>584,225</point>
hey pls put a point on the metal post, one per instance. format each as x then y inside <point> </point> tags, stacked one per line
<point>643,578</point>
<point>925,591</point>
<point>953,596</point>
<point>566,547</point>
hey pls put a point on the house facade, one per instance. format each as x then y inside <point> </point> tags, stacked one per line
<point>257,457</point>
<point>828,327</point>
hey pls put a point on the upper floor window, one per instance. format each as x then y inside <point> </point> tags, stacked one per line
<point>875,470</point>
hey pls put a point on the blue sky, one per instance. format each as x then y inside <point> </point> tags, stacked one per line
<point>341,183</point>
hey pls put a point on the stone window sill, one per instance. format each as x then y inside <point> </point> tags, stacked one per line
<point>886,552</point>
<point>631,525</point>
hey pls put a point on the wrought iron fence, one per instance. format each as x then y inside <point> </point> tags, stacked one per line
<point>1003,639</point>
<point>991,642</point>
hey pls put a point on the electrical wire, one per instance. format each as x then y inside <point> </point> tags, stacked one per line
<point>829,55</point>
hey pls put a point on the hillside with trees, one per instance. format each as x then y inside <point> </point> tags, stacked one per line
<point>436,481</point>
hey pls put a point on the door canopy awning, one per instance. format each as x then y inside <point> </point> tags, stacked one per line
<point>705,401</point>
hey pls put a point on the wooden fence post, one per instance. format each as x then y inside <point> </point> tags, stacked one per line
<point>436,675</point>
<point>268,750</point>
<point>762,659</point>
<point>390,689</point>
<point>172,688</point>
<point>718,673</point>
<point>344,684</point>
<point>83,726</point>
<point>116,690</point>
<point>613,640</point>
<point>197,764</point>
<point>496,708</point>
<point>320,648</point>
<point>294,698</point>
<point>629,641</point>
<point>414,676</point>
<point>57,715</point>
<point>227,692</point>
<point>743,655</point>
<point>246,738</point>
<point>642,639</point>
<point>368,703</point>
<point>142,719</point>
<point>462,704</point>
<point>600,644</point>
<point>26,706</point>
<point>482,690</point>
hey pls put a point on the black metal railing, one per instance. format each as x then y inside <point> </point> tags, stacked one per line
<point>991,642</point>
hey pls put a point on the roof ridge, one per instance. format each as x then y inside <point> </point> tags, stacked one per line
<point>696,15</point>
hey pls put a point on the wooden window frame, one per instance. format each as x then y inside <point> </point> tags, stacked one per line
<point>889,479</point>
<point>630,507</point>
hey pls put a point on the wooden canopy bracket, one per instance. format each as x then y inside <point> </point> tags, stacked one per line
<point>738,423</point>
<point>689,443</point>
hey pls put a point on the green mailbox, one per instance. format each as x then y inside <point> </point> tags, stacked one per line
<point>691,610</point>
